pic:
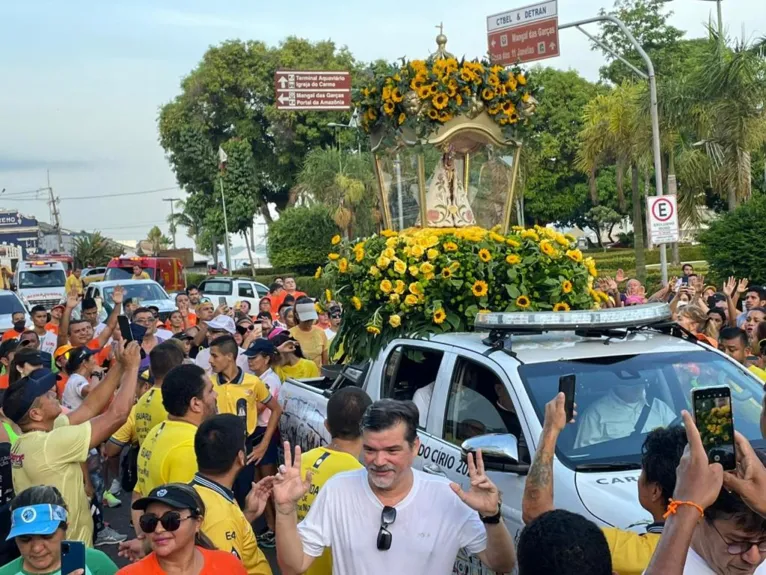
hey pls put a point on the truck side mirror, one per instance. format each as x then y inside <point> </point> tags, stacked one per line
<point>500,452</point>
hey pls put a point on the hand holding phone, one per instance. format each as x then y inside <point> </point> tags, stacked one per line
<point>125,330</point>
<point>715,423</point>
<point>567,384</point>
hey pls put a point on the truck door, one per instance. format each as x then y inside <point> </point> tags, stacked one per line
<point>413,372</point>
<point>477,399</point>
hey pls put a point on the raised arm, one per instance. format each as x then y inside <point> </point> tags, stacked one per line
<point>71,302</point>
<point>111,321</point>
<point>98,398</point>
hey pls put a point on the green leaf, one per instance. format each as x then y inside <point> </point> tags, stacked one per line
<point>513,291</point>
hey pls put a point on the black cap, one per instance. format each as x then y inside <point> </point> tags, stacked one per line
<point>183,336</point>
<point>20,396</point>
<point>260,346</point>
<point>169,495</point>
<point>77,356</point>
<point>88,303</point>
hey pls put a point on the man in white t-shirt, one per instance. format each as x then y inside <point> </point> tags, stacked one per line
<point>389,518</point>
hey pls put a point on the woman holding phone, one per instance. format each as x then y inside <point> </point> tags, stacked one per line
<point>172,522</point>
<point>39,525</point>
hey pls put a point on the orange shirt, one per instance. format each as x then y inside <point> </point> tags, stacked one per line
<point>4,381</point>
<point>191,321</point>
<point>61,383</point>
<point>11,334</point>
<point>216,562</point>
<point>52,327</point>
<point>102,355</point>
<point>277,301</point>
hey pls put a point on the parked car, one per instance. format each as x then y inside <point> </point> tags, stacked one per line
<point>90,275</point>
<point>232,290</point>
<point>168,272</point>
<point>145,292</point>
<point>10,303</point>
<point>521,359</point>
<point>40,282</point>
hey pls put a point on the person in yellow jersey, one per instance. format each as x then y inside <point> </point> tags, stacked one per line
<point>53,446</point>
<point>243,394</point>
<point>221,454</point>
<point>345,410</point>
<point>167,453</point>
<point>291,361</point>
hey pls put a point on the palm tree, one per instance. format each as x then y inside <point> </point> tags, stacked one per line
<point>615,130</point>
<point>191,221</point>
<point>157,239</point>
<point>93,250</point>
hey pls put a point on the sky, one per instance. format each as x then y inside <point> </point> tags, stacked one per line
<point>81,82</point>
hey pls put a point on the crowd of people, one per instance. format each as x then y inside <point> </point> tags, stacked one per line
<point>183,412</point>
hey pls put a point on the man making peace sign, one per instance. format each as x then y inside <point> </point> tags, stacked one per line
<point>389,518</point>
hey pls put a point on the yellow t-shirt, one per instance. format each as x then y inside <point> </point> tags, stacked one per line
<point>73,282</point>
<point>227,527</point>
<point>323,464</point>
<point>143,276</point>
<point>167,456</point>
<point>55,458</point>
<point>304,369</point>
<point>149,412</point>
<point>758,372</point>
<point>631,552</point>
<point>313,343</point>
<point>127,433</point>
<point>245,386</point>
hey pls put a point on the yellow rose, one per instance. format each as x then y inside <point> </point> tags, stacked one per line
<point>415,288</point>
<point>450,247</point>
<point>392,242</point>
<point>426,268</point>
<point>400,267</point>
<point>385,286</point>
<point>394,298</point>
<point>333,257</point>
<point>414,270</point>
<point>395,320</point>
<point>383,262</point>
<point>357,303</point>
<point>374,271</point>
<point>411,300</point>
<point>335,240</point>
<point>417,251</point>
<point>399,286</point>
<point>432,254</point>
<point>389,253</point>
<point>373,330</point>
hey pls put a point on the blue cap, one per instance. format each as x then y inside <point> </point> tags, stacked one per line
<point>41,519</point>
<point>260,346</point>
<point>20,396</point>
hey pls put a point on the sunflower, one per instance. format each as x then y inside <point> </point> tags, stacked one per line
<point>487,94</point>
<point>327,295</point>
<point>566,286</point>
<point>512,243</point>
<point>439,316</point>
<point>343,266</point>
<point>547,248</point>
<point>444,116</point>
<point>574,255</point>
<point>357,303</point>
<point>530,235</point>
<point>508,107</point>
<point>484,255</point>
<point>440,101</point>
<point>562,240</point>
<point>496,237</point>
<point>521,80</point>
<point>386,286</point>
<point>333,257</point>
<point>411,300</point>
<point>388,108</point>
<point>493,80</point>
<point>450,247</point>
<point>359,254</point>
<point>466,75</point>
<point>459,100</point>
<point>388,233</point>
<point>590,264</point>
<point>372,115</point>
<point>446,273</point>
<point>480,288</point>
<point>386,94</point>
<point>424,92</point>
<point>373,330</point>
<point>374,271</point>
<point>336,239</point>
<point>395,320</point>
<point>523,302</point>
<point>318,273</point>
<point>396,95</point>
<point>454,266</point>
<point>512,259</point>
<point>400,267</point>
<point>402,118</point>
<point>561,306</point>
<point>433,114</point>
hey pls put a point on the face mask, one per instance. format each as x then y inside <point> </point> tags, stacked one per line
<point>19,325</point>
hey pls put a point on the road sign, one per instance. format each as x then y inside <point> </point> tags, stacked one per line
<point>663,219</point>
<point>524,34</point>
<point>312,90</point>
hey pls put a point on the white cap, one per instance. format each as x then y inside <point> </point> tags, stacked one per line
<point>223,322</point>
<point>306,312</point>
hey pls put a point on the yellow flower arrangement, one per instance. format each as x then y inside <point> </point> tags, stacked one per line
<point>432,254</point>
<point>395,320</point>
<point>411,300</point>
<point>484,255</point>
<point>547,248</point>
<point>574,255</point>
<point>480,288</point>
<point>512,259</point>
<point>386,286</point>
<point>400,267</point>
<point>561,306</point>
<point>439,316</point>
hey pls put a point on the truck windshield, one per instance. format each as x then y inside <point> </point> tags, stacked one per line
<point>10,304</point>
<point>611,393</point>
<point>42,279</point>
<point>124,273</point>
<point>140,292</point>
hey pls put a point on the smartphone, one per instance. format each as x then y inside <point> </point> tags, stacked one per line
<point>222,301</point>
<point>567,387</point>
<point>242,410</point>
<point>125,331</point>
<point>72,556</point>
<point>685,280</point>
<point>715,422</point>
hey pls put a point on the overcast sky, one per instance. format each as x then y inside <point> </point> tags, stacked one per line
<point>81,81</point>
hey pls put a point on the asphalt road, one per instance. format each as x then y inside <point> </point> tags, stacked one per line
<point>119,519</point>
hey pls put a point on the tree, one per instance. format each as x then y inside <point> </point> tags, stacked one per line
<point>346,184</point>
<point>192,221</point>
<point>300,239</point>
<point>158,240</point>
<point>94,250</point>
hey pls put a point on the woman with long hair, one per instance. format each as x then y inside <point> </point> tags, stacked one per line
<point>694,319</point>
<point>172,522</point>
<point>176,322</point>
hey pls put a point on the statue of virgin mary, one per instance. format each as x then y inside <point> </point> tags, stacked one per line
<point>446,200</point>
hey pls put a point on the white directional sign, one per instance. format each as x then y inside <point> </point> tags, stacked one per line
<point>662,212</point>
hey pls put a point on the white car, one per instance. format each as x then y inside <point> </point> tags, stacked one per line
<point>10,303</point>
<point>40,283</point>
<point>145,292</point>
<point>521,357</point>
<point>232,290</point>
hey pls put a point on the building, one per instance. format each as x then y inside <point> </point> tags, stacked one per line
<point>19,230</point>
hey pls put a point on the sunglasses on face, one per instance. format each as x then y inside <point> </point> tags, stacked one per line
<point>387,517</point>
<point>171,521</point>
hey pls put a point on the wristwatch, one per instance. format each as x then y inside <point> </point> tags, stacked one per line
<point>493,519</point>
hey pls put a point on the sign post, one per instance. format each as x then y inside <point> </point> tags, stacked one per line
<point>663,219</point>
<point>312,90</point>
<point>524,34</point>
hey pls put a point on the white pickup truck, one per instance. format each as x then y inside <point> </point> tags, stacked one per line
<point>490,391</point>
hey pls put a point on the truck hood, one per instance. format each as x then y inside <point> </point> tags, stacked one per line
<point>612,497</point>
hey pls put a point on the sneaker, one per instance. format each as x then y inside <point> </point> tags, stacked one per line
<point>108,536</point>
<point>267,540</point>
<point>115,489</point>
<point>110,500</point>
